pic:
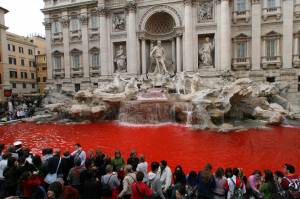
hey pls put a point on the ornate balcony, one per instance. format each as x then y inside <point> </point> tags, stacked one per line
<point>297,10</point>
<point>75,35</point>
<point>296,61</point>
<point>59,73</point>
<point>94,34</point>
<point>57,37</point>
<point>269,12</point>
<point>241,63</point>
<point>273,62</point>
<point>77,72</point>
<point>241,15</point>
<point>95,70</point>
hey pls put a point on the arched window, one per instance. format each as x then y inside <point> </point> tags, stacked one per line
<point>56,27</point>
<point>94,58</point>
<point>94,22</point>
<point>240,5</point>
<point>74,24</point>
<point>76,58</point>
<point>57,59</point>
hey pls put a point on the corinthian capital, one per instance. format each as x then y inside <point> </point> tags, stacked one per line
<point>47,24</point>
<point>65,21</point>
<point>84,19</point>
<point>102,11</point>
<point>188,2</point>
<point>131,6</point>
<point>255,1</point>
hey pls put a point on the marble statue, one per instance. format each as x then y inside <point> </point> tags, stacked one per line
<point>120,59</point>
<point>196,83</point>
<point>118,23</point>
<point>131,89</point>
<point>158,53</point>
<point>116,86</point>
<point>205,11</point>
<point>206,53</point>
<point>180,83</point>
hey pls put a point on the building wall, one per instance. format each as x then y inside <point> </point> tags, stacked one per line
<point>41,62</point>
<point>21,48</point>
<point>41,68</point>
<point>3,52</point>
<point>184,31</point>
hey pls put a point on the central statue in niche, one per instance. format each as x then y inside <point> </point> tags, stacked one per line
<point>158,53</point>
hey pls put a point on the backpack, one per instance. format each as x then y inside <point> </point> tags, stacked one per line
<point>106,189</point>
<point>294,187</point>
<point>237,191</point>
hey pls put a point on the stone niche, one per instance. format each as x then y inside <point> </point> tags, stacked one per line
<point>206,51</point>
<point>169,62</point>
<point>120,57</point>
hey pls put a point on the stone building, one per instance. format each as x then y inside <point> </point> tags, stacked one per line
<point>21,64</point>
<point>40,62</point>
<point>90,40</point>
<point>3,54</point>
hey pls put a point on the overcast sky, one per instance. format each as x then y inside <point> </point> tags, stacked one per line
<point>24,17</point>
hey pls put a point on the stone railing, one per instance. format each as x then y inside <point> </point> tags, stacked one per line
<point>57,37</point>
<point>241,15</point>
<point>95,70</point>
<point>243,63</point>
<point>269,12</point>
<point>74,33</point>
<point>297,10</point>
<point>94,33</point>
<point>77,71</point>
<point>271,62</point>
<point>59,72</point>
<point>94,30</point>
<point>296,61</point>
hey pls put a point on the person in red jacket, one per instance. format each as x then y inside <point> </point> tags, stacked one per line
<point>139,188</point>
<point>288,183</point>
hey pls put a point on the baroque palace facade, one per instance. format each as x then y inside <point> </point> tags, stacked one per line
<point>90,40</point>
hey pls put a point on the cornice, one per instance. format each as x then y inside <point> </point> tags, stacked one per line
<point>71,5</point>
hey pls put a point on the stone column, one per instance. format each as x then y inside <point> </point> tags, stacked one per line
<point>131,39</point>
<point>287,28</point>
<point>144,63</point>
<point>3,48</point>
<point>188,36</point>
<point>173,51</point>
<point>103,41</point>
<point>85,43</point>
<point>256,35</point>
<point>178,53</point>
<point>263,52</point>
<point>47,25</point>
<point>225,36</point>
<point>65,23</point>
<point>296,46</point>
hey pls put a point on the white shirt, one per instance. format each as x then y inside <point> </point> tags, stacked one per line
<point>142,167</point>
<point>165,178</point>
<point>231,186</point>
<point>3,165</point>
<point>81,155</point>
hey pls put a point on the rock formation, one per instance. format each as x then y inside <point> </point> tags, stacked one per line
<point>143,101</point>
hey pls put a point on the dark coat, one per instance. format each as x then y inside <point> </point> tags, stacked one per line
<point>52,166</point>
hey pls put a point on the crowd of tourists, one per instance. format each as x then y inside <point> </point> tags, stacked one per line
<point>94,175</point>
<point>19,107</point>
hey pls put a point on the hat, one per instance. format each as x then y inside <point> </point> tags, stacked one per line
<point>17,143</point>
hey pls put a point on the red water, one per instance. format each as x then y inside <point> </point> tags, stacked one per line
<point>253,149</point>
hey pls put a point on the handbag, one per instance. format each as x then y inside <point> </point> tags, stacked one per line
<point>50,178</point>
